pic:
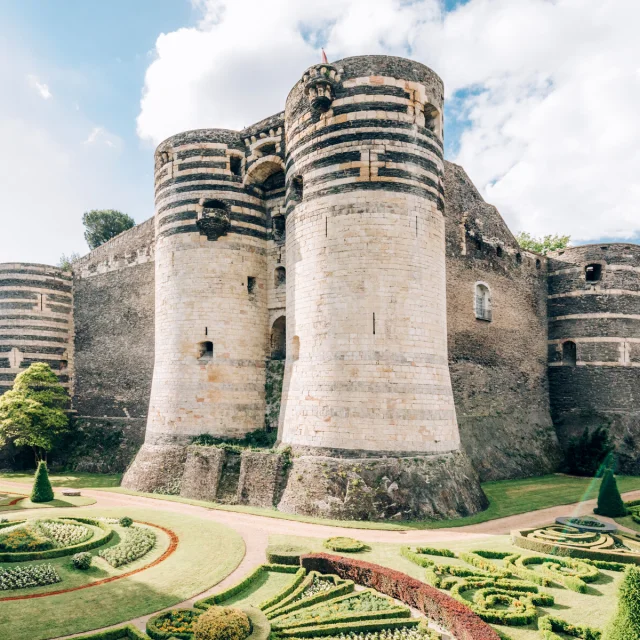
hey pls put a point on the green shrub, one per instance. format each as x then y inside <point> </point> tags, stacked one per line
<point>42,491</point>
<point>222,623</point>
<point>549,625</point>
<point>432,551</point>
<point>286,554</point>
<point>126,521</point>
<point>626,623</point>
<point>419,559</point>
<point>82,560</point>
<point>609,501</point>
<point>344,544</point>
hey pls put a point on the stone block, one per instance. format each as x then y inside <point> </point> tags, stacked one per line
<point>202,471</point>
<point>158,468</point>
<point>259,478</point>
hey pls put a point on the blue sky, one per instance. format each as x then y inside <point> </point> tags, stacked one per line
<point>75,73</point>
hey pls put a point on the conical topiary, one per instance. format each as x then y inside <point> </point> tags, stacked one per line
<point>626,624</point>
<point>609,501</point>
<point>42,491</point>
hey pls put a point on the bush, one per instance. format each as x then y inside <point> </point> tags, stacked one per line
<point>609,501</point>
<point>175,624</point>
<point>548,626</point>
<point>286,554</point>
<point>82,560</point>
<point>125,522</point>
<point>42,491</point>
<point>586,454</point>
<point>344,544</point>
<point>626,624</point>
<point>222,623</point>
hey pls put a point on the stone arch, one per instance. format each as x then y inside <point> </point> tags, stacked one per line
<point>569,353</point>
<point>262,169</point>
<point>279,339</point>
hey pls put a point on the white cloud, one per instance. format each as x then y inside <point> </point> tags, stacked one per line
<point>550,88</point>
<point>40,87</point>
<point>99,135</point>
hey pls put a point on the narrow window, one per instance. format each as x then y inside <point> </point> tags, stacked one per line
<point>206,331</point>
<point>538,263</point>
<point>279,226</point>
<point>63,365</point>
<point>483,302</point>
<point>478,244</point>
<point>205,350</point>
<point>569,353</point>
<point>279,339</point>
<point>235,164</point>
<point>593,272</point>
<point>499,252</point>
<point>268,149</point>
<point>374,324</point>
<point>519,258</point>
<point>280,276</point>
<point>251,284</point>
<point>297,185</point>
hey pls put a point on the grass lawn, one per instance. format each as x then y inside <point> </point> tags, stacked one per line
<point>206,553</point>
<point>71,479</point>
<point>58,501</point>
<point>506,498</point>
<point>593,608</point>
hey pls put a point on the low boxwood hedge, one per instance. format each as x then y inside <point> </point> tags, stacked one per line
<point>285,554</point>
<point>93,543</point>
<point>549,625</point>
<point>286,591</point>
<point>343,544</point>
<point>126,632</point>
<point>186,618</point>
<point>346,627</point>
<point>245,583</point>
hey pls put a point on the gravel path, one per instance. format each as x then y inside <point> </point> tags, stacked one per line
<point>255,530</point>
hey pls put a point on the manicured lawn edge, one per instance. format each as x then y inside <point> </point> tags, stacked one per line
<point>445,611</point>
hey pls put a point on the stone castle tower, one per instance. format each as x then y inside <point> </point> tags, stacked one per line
<point>351,174</point>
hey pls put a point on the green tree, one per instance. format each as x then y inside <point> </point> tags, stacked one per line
<point>33,413</point>
<point>542,245</point>
<point>42,490</point>
<point>626,623</point>
<point>609,500</point>
<point>66,261</point>
<point>103,224</point>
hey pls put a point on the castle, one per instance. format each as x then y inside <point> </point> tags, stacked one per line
<point>326,271</point>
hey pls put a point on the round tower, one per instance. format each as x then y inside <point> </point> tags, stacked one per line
<point>211,313</point>
<point>367,366</point>
<point>36,320</point>
<point>594,344</point>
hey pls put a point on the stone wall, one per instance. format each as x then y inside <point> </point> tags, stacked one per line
<point>114,342</point>
<point>594,345</point>
<point>498,367</point>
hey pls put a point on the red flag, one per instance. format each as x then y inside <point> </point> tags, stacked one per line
<point>324,57</point>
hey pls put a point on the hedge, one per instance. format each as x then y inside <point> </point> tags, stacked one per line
<point>607,566</point>
<point>587,573</point>
<point>245,583</point>
<point>480,562</point>
<point>416,557</point>
<point>127,632</point>
<point>342,588</point>
<point>156,633</point>
<point>344,544</point>
<point>345,618</point>
<point>444,610</point>
<point>285,554</point>
<point>93,543</point>
<point>432,551</point>
<point>520,539</point>
<point>347,627</point>
<point>11,523</point>
<point>286,591</point>
<point>548,625</point>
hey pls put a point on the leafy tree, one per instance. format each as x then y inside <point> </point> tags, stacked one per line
<point>42,490</point>
<point>590,453</point>
<point>33,413</point>
<point>542,245</point>
<point>609,500</point>
<point>626,623</point>
<point>103,224</point>
<point>66,261</point>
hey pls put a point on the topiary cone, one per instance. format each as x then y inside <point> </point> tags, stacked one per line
<point>42,491</point>
<point>609,501</point>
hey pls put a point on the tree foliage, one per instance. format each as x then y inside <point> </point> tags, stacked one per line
<point>626,623</point>
<point>609,500</point>
<point>103,224</point>
<point>33,413</point>
<point>542,245</point>
<point>587,454</point>
<point>66,261</point>
<point>42,490</point>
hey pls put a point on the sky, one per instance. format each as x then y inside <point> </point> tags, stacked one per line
<point>542,96</point>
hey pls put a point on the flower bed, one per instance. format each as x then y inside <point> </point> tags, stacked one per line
<point>176,623</point>
<point>27,577</point>
<point>135,544</point>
